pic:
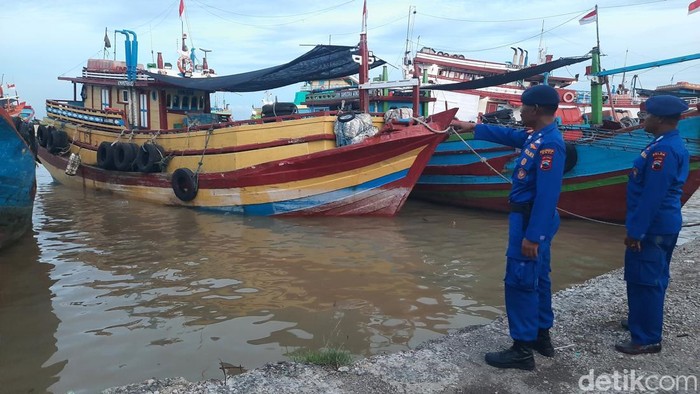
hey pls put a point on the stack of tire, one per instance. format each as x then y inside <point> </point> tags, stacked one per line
<point>128,156</point>
<point>55,141</point>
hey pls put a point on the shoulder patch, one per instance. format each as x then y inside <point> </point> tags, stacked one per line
<point>658,160</point>
<point>546,162</point>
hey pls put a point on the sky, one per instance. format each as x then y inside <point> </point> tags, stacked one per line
<point>45,39</point>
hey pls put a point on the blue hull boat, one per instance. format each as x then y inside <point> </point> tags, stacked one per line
<point>17,178</point>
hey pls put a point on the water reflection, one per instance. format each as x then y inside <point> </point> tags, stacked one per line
<point>143,290</point>
<point>27,320</point>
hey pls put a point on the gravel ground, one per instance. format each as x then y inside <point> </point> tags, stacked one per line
<point>586,328</point>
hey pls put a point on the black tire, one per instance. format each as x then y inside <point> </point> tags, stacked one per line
<point>345,118</point>
<point>57,141</point>
<point>105,156</point>
<point>124,155</point>
<point>184,184</point>
<point>42,135</point>
<point>571,157</point>
<point>149,158</point>
<point>278,109</point>
<point>26,130</point>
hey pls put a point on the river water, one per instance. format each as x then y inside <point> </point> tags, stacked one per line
<point>106,292</point>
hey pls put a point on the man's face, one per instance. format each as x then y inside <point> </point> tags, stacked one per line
<point>651,123</point>
<point>528,115</point>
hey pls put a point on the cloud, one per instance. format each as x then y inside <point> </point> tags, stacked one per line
<point>51,38</point>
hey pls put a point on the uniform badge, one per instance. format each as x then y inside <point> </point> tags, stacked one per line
<point>634,173</point>
<point>533,146</point>
<point>546,162</point>
<point>644,154</point>
<point>546,151</point>
<point>658,160</point>
<point>522,173</point>
<point>529,153</point>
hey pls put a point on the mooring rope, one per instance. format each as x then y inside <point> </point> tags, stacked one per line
<point>485,161</point>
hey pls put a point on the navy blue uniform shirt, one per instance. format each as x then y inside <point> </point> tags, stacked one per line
<point>538,172</point>
<point>655,187</point>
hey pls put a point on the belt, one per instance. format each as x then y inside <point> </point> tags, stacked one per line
<point>524,207</point>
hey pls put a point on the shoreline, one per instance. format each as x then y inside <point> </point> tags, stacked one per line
<point>587,325</point>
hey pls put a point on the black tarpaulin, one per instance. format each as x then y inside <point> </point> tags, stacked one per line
<point>322,62</point>
<point>501,79</point>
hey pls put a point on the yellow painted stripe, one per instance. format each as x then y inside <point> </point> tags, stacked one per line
<point>248,195</point>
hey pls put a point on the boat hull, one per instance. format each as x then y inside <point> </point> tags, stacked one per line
<point>17,182</point>
<point>373,177</point>
<point>595,188</point>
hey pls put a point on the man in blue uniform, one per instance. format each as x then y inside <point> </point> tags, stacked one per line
<point>533,221</point>
<point>653,222</point>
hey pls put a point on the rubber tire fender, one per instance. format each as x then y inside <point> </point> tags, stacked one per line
<point>184,184</point>
<point>105,156</point>
<point>57,141</point>
<point>149,158</point>
<point>42,135</point>
<point>571,157</point>
<point>125,155</point>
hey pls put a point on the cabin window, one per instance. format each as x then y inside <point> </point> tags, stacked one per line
<point>185,102</point>
<point>154,95</point>
<point>143,110</point>
<point>104,96</point>
<point>176,102</point>
<point>123,96</point>
<point>168,99</point>
<point>201,102</point>
<point>195,103</point>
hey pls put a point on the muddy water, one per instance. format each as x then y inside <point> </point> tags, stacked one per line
<point>107,292</point>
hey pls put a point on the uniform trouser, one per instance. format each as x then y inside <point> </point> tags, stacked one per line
<point>647,274</point>
<point>528,290</point>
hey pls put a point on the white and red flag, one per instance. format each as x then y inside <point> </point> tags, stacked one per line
<point>182,7</point>
<point>10,85</point>
<point>694,7</point>
<point>589,17</point>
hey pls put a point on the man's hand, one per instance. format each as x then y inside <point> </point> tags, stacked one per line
<point>529,249</point>
<point>634,245</point>
<point>462,126</point>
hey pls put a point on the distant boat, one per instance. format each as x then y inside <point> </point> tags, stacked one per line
<point>18,178</point>
<point>12,104</point>
<point>150,133</point>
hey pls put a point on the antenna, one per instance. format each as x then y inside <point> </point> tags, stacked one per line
<point>541,51</point>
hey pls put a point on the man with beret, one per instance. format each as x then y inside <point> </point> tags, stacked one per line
<point>533,221</point>
<point>653,222</point>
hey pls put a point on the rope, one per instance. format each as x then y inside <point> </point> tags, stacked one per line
<point>427,126</point>
<point>201,158</point>
<point>485,161</point>
<point>121,134</point>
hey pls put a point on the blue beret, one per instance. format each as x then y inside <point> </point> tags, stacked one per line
<point>665,105</point>
<point>540,95</point>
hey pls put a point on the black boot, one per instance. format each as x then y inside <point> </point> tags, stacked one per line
<point>543,344</point>
<point>518,356</point>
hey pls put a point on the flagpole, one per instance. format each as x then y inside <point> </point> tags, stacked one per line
<point>597,33</point>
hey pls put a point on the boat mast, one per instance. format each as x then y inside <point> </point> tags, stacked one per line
<point>596,81</point>
<point>364,60</point>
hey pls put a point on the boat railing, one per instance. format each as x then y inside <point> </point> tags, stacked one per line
<point>109,118</point>
<point>114,75</point>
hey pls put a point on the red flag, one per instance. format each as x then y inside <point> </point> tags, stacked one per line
<point>182,7</point>
<point>589,17</point>
<point>694,7</point>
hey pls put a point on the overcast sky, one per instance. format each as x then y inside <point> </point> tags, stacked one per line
<point>44,39</point>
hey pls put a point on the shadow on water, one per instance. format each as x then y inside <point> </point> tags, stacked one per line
<point>147,291</point>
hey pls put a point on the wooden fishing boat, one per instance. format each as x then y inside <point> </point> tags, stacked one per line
<point>17,178</point>
<point>11,103</point>
<point>477,174</point>
<point>149,133</point>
